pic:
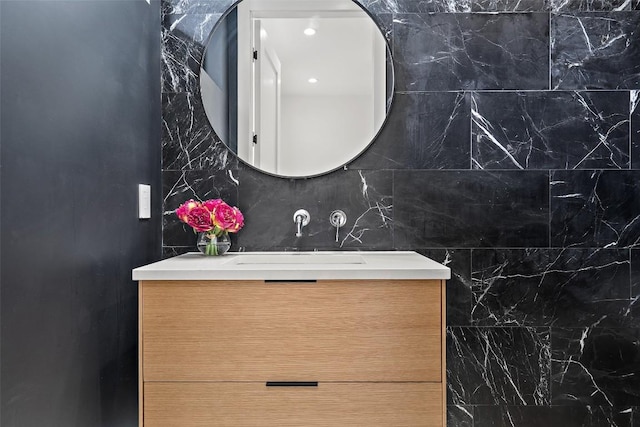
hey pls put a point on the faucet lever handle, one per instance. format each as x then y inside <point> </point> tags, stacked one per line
<point>338,218</point>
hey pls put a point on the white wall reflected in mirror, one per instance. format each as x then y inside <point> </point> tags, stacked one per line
<point>312,96</point>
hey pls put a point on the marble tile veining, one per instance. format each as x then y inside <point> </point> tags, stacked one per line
<point>364,196</point>
<point>552,416</point>
<point>634,310</point>
<point>460,416</point>
<point>471,209</point>
<point>423,131</point>
<point>634,117</point>
<point>510,5</point>
<point>384,21</point>
<point>188,140</point>
<point>596,366</point>
<point>183,45</point>
<point>416,6</point>
<point>498,366</point>
<point>195,6</point>
<point>590,5</point>
<point>550,130</point>
<point>439,52</point>
<point>545,287</point>
<point>459,286</point>
<point>595,208</point>
<point>599,50</point>
<point>367,202</point>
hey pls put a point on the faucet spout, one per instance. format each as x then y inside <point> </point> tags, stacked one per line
<point>301,218</point>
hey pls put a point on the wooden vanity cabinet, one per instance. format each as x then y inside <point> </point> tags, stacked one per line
<point>325,353</point>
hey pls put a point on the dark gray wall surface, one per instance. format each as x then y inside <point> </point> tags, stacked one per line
<point>80,114</point>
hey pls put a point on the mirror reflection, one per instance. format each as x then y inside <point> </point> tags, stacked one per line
<point>296,87</point>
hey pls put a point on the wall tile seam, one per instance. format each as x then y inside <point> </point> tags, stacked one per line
<point>550,56</point>
<point>588,12</point>
<point>491,248</point>
<point>212,170</point>
<point>505,170</point>
<point>442,170</point>
<point>523,248</point>
<point>365,248</point>
<point>631,122</point>
<point>194,14</point>
<point>492,170</point>
<point>467,12</point>
<point>466,91</point>
<point>401,13</point>
<point>551,405</point>
<point>550,213</point>
<point>409,170</point>
<point>510,91</point>
<point>492,13</point>
<point>631,276</point>
<point>470,102</point>
<point>549,328</point>
<point>474,170</point>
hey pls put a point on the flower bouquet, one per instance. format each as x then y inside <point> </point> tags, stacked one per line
<point>213,220</point>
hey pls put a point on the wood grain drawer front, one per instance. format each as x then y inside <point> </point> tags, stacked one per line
<point>329,405</point>
<point>324,331</point>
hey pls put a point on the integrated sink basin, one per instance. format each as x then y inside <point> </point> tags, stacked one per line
<point>296,258</point>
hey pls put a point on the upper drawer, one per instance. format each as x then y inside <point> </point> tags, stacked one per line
<point>324,331</point>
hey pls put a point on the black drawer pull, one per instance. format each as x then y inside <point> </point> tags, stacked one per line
<point>290,281</point>
<point>292,383</point>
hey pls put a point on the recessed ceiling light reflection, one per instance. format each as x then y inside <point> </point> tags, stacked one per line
<point>309,31</point>
<point>313,80</point>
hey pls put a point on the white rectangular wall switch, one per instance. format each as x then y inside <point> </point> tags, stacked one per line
<point>144,201</point>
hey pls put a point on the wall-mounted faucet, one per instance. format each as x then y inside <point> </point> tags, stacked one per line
<point>301,218</point>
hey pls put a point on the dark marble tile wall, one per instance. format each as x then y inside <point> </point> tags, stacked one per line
<point>595,50</point>
<point>550,130</point>
<point>511,154</point>
<point>440,52</point>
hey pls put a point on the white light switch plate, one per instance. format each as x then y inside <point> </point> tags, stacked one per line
<point>144,201</point>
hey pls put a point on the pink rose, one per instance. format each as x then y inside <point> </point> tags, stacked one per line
<point>211,204</point>
<point>239,220</point>
<point>185,208</point>
<point>199,218</point>
<point>228,218</point>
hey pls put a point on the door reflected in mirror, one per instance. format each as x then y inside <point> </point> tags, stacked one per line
<point>296,88</point>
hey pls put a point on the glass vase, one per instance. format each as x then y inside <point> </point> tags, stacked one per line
<point>210,244</point>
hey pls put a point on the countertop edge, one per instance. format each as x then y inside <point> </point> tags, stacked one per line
<point>407,265</point>
<point>293,275</point>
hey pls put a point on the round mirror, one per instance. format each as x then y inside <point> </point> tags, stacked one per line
<point>296,88</point>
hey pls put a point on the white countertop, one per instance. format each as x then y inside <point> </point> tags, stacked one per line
<point>295,266</point>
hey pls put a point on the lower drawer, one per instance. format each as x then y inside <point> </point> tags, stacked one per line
<point>328,404</point>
